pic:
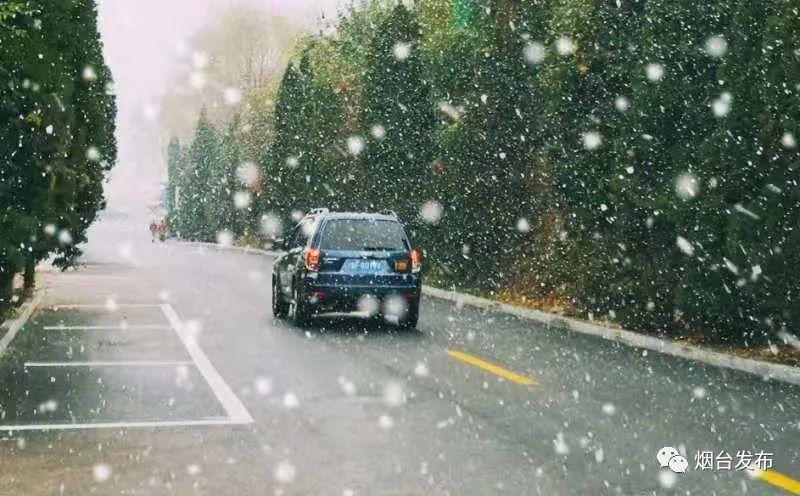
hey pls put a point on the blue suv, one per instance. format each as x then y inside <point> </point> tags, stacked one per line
<point>345,262</point>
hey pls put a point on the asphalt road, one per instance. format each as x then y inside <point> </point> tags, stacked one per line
<point>159,369</point>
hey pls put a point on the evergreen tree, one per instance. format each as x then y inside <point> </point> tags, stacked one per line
<point>197,207</point>
<point>59,133</point>
<point>397,121</point>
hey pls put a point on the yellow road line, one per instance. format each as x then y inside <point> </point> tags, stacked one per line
<point>490,367</point>
<point>779,480</point>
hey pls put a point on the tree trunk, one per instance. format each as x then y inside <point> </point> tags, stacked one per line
<point>6,289</point>
<point>29,277</point>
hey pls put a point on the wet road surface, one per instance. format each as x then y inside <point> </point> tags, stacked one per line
<point>159,369</point>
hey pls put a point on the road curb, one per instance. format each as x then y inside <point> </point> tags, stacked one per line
<point>15,324</point>
<point>774,371</point>
<point>243,249</point>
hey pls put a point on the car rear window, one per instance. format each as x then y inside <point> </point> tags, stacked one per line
<point>363,235</point>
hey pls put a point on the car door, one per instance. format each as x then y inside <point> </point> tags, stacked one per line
<point>291,262</point>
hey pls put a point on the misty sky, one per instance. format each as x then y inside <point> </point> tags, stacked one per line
<point>142,41</point>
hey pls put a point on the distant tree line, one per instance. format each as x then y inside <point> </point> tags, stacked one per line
<point>57,113</point>
<point>637,160</point>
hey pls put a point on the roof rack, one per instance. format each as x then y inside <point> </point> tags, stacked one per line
<point>389,212</point>
<point>315,211</point>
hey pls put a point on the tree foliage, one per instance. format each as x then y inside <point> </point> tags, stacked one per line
<point>637,159</point>
<point>57,111</point>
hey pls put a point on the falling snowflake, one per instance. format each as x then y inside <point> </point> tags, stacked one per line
<point>385,422</point>
<point>93,154</point>
<point>64,237</point>
<point>721,105</point>
<point>232,95</point>
<point>50,229</point>
<point>716,46</point>
<point>686,186</point>
<point>248,174</point>
<point>271,225</point>
<point>355,145</point>
<point>667,478</point>
<point>197,80</point>
<point>788,141</point>
<point>225,238</point>
<point>290,400</point>
<point>48,406</point>
<point>263,386</point>
<point>622,104</point>
<point>200,59</point>
<point>609,408</point>
<point>401,51</point>
<point>394,308</point>
<point>560,445</point>
<point>150,111</point>
<point>393,394</point>
<point>369,304</point>
<point>654,72</point>
<point>592,140</point>
<point>431,212</point>
<point>241,199</point>
<point>111,304</point>
<point>101,472</point>
<point>685,245</point>
<point>523,225</point>
<point>534,52</point>
<point>565,46</point>
<point>89,73</point>
<point>421,370</point>
<point>377,131</point>
<point>347,386</point>
<point>284,472</point>
<point>292,162</point>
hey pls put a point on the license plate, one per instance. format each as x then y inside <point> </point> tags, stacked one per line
<point>365,266</point>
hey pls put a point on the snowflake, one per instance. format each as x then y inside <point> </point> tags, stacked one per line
<point>654,72</point>
<point>534,52</point>
<point>716,46</point>
<point>401,51</point>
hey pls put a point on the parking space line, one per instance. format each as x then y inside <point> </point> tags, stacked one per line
<point>17,324</point>
<point>492,368</point>
<point>232,405</point>
<point>104,305</point>
<point>109,363</point>
<point>125,425</point>
<point>108,328</point>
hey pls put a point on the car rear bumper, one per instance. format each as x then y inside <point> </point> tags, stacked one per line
<point>347,298</point>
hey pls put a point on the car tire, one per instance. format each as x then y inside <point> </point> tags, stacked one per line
<point>411,318</point>
<point>279,307</point>
<point>300,311</point>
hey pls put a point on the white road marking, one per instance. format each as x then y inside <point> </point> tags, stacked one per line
<point>96,276</point>
<point>131,327</point>
<point>104,305</point>
<point>17,324</point>
<point>125,425</point>
<point>232,405</point>
<point>110,363</point>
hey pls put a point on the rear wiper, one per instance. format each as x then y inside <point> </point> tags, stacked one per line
<point>376,248</point>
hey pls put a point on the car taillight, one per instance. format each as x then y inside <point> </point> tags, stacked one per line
<point>312,259</point>
<point>416,260</point>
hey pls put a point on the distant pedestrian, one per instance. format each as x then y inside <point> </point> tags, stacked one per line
<point>153,231</point>
<point>162,230</point>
